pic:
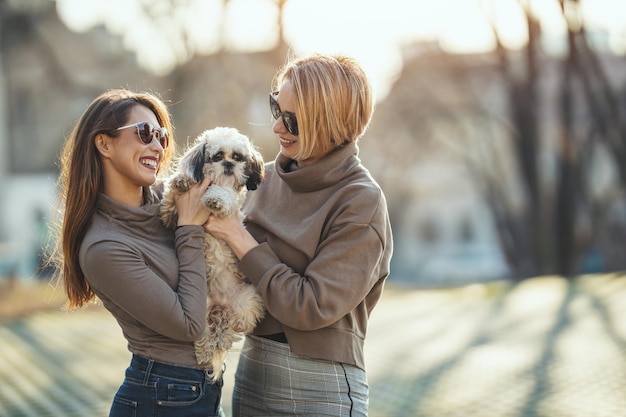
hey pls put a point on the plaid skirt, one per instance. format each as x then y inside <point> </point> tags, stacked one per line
<point>272,381</point>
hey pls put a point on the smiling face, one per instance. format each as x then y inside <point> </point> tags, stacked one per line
<point>331,99</point>
<point>128,163</point>
<point>289,144</point>
<point>293,146</point>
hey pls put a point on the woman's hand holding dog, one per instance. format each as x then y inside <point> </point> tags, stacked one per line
<point>230,229</point>
<point>189,205</point>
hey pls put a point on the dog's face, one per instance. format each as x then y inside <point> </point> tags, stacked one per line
<point>226,156</point>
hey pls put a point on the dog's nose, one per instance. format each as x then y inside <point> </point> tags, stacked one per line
<point>228,167</point>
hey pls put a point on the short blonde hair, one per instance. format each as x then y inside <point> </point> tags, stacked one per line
<point>333,101</point>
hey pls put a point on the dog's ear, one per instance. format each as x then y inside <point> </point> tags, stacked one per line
<point>255,170</point>
<point>197,162</point>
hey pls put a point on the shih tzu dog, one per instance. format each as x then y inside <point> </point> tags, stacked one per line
<point>234,166</point>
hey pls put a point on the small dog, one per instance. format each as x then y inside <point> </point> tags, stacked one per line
<point>234,166</point>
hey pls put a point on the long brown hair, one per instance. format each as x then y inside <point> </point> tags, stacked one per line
<point>81,180</point>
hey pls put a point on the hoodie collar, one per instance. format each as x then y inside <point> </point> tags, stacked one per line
<point>120,211</point>
<point>323,173</point>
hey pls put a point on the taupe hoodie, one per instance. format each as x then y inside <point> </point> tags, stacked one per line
<point>325,252</point>
<point>152,280</point>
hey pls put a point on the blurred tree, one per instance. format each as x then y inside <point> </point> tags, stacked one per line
<point>542,136</point>
<point>560,223</point>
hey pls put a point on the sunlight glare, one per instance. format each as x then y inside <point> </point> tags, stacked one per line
<point>605,13</point>
<point>120,15</point>
<point>374,32</point>
<point>250,25</point>
<point>609,16</point>
<point>550,17</point>
<point>196,18</point>
<point>79,15</point>
<point>465,30</point>
<point>310,28</point>
<point>148,44</point>
<point>510,24</point>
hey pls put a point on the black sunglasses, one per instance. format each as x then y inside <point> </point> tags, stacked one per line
<point>289,119</point>
<point>147,133</point>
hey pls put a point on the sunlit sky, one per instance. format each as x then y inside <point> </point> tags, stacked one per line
<point>372,31</point>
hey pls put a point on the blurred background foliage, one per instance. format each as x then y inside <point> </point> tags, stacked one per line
<point>502,163</point>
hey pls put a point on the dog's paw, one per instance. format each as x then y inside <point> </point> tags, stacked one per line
<point>217,206</point>
<point>222,201</point>
<point>181,183</point>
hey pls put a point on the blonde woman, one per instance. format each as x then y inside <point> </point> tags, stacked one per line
<point>112,245</point>
<point>317,245</point>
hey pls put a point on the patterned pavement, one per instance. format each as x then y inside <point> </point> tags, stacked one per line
<point>544,347</point>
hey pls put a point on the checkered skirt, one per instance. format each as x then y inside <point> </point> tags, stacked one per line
<point>272,381</point>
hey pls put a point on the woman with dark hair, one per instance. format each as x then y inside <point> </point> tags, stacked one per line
<point>112,245</point>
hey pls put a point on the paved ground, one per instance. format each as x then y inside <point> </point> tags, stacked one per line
<point>546,347</point>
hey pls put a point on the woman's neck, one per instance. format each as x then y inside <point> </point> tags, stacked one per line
<point>131,196</point>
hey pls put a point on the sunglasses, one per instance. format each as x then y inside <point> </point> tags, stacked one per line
<point>289,119</point>
<point>147,133</point>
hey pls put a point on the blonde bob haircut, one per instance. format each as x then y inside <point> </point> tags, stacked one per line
<point>333,101</point>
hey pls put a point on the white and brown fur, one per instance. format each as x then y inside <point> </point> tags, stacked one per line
<point>234,166</point>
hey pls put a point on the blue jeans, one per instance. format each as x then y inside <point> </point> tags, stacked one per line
<point>154,388</point>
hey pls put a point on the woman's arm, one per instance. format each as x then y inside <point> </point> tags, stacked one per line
<point>341,275</point>
<point>120,276</point>
<point>344,270</point>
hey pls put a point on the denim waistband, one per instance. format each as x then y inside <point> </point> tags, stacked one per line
<point>152,367</point>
